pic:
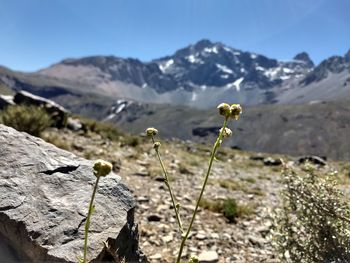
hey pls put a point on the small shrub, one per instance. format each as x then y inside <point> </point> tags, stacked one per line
<point>31,119</point>
<point>314,221</point>
<point>228,207</point>
<point>214,206</point>
<point>132,141</point>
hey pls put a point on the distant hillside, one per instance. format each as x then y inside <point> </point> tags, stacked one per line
<point>317,128</point>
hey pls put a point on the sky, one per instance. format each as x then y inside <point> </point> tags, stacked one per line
<point>37,33</point>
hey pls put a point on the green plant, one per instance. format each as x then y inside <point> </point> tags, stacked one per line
<point>101,169</point>
<point>227,111</point>
<point>313,222</point>
<point>31,119</point>
<point>132,141</point>
<point>228,207</point>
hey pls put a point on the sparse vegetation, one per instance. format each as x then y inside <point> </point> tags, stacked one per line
<point>57,140</point>
<point>31,119</point>
<point>105,129</point>
<point>235,185</point>
<point>228,207</point>
<point>229,184</point>
<point>132,141</point>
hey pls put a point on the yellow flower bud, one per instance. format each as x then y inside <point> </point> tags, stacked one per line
<point>102,168</point>
<point>156,145</point>
<point>236,111</point>
<point>224,109</point>
<point>226,133</point>
<point>151,131</point>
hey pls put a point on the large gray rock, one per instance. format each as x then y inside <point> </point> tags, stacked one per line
<point>44,196</point>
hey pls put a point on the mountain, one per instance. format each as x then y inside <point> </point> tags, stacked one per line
<point>329,81</point>
<point>199,75</point>
<point>216,65</point>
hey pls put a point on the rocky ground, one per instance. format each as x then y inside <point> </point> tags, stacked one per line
<point>236,174</point>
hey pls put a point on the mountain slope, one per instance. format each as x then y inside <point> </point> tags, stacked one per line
<point>316,128</point>
<point>328,81</point>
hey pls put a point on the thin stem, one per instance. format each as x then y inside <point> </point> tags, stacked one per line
<point>213,153</point>
<point>87,223</point>
<point>166,181</point>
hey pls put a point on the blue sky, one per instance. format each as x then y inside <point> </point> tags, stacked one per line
<point>37,33</point>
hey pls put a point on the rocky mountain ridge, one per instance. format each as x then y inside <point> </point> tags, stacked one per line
<point>199,75</point>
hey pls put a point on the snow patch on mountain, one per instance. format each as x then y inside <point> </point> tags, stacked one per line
<point>213,49</point>
<point>194,96</point>
<point>224,68</point>
<point>166,65</point>
<point>236,84</point>
<point>194,59</point>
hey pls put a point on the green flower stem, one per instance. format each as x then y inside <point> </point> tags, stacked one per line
<point>166,181</point>
<point>87,224</point>
<point>213,153</point>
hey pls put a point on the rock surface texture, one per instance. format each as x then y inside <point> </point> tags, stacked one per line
<point>44,195</point>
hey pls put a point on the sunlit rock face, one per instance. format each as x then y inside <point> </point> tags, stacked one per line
<point>44,195</point>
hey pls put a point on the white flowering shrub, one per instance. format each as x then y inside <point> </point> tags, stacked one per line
<point>313,224</point>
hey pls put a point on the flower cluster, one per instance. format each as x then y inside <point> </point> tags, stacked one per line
<point>151,132</point>
<point>102,168</point>
<point>233,111</point>
<point>226,132</point>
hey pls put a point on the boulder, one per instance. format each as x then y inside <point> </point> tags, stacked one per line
<point>44,197</point>
<point>6,100</point>
<point>74,124</point>
<point>59,114</point>
<point>313,159</point>
<point>269,161</point>
<point>208,257</point>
